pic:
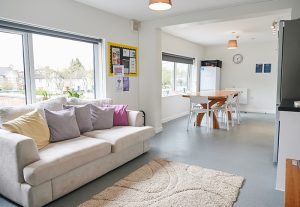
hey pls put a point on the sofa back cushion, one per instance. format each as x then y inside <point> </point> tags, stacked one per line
<point>31,125</point>
<point>120,115</point>
<point>96,102</point>
<point>83,117</point>
<point>10,113</point>
<point>62,124</point>
<point>102,117</point>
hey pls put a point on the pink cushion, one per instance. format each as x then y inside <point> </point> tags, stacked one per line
<point>120,115</point>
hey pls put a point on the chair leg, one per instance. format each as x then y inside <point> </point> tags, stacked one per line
<point>238,115</point>
<point>227,121</point>
<point>211,123</point>
<point>232,119</point>
<point>207,121</point>
<point>189,120</point>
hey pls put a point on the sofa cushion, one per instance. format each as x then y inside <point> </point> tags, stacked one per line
<point>12,112</point>
<point>31,125</point>
<point>62,124</point>
<point>83,117</point>
<point>61,157</point>
<point>97,102</point>
<point>102,117</point>
<point>122,137</point>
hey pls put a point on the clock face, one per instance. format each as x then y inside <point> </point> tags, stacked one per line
<point>237,58</point>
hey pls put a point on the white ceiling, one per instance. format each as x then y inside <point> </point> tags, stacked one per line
<point>138,9</point>
<point>253,29</point>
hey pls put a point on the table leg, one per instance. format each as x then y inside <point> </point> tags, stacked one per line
<point>199,119</point>
<point>215,121</point>
<point>201,115</point>
<point>229,115</point>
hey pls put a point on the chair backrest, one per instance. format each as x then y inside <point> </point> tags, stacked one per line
<point>230,99</point>
<point>237,97</point>
<point>199,99</point>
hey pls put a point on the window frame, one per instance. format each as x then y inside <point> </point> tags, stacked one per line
<point>189,78</point>
<point>28,56</point>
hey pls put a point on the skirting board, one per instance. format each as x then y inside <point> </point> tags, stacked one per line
<point>262,111</point>
<point>170,118</point>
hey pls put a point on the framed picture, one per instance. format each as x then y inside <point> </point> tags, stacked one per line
<point>259,68</point>
<point>267,68</point>
<point>122,56</point>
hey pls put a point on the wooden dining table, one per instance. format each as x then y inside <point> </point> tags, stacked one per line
<point>215,97</point>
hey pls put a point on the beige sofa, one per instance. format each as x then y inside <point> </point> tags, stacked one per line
<point>34,178</point>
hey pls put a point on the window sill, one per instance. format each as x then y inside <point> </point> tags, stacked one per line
<point>173,94</point>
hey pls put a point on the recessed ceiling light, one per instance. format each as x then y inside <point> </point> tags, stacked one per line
<point>160,5</point>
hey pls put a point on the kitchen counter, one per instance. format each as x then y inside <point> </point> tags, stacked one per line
<point>288,105</point>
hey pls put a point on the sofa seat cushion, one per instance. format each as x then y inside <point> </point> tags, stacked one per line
<point>61,157</point>
<point>122,137</point>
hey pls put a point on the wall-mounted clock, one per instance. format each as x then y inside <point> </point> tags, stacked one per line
<point>237,58</point>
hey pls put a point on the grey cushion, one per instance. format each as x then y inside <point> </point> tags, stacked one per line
<point>83,117</point>
<point>62,124</point>
<point>102,118</point>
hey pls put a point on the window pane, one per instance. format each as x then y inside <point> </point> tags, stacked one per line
<point>181,79</point>
<point>12,84</point>
<point>167,77</point>
<point>63,65</point>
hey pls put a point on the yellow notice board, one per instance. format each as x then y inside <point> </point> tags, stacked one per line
<point>124,56</point>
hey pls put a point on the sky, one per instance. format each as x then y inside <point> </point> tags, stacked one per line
<point>54,52</point>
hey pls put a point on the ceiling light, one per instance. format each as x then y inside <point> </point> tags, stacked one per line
<point>232,44</point>
<point>160,5</point>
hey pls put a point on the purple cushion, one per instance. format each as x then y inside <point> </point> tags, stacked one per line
<point>102,117</point>
<point>62,124</point>
<point>120,115</point>
<point>83,117</point>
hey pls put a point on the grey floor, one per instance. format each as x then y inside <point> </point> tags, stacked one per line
<point>245,150</point>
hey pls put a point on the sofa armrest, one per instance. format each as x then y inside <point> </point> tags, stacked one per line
<point>16,152</point>
<point>135,118</point>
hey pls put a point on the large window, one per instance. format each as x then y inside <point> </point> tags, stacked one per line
<point>37,64</point>
<point>12,84</point>
<point>177,73</point>
<point>62,65</point>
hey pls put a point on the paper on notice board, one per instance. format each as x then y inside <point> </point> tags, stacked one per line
<point>118,70</point>
<point>125,83</point>
<point>115,53</point>
<point>132,53</point>
<point>126,53</point>
<point>125,62</point>
<point>132,65</point>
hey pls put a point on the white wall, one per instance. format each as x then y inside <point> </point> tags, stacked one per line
<point>177,106</point>
<point>149,44</point>
<point>71,16</point>
<point>261,86</point>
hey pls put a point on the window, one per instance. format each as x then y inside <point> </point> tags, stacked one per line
<point>37,64</point>
<point>181,77</point>
<point>177,74</point>
<point>12,82</point>
<point>62,65</point>
<point>167,77</point>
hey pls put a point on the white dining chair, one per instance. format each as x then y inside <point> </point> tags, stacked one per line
<point>225,109</point>
<point>236,107</point>
<point>196,107</point>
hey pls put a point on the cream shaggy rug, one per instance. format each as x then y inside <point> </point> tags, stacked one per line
<point>163,183</point>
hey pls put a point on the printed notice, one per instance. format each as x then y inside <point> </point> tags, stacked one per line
<point>132,65</point>
<point>115,56</point>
